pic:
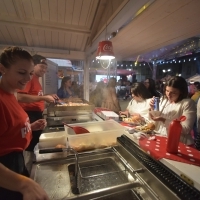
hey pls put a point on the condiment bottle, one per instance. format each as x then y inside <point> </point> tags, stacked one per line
<point>174,134</point>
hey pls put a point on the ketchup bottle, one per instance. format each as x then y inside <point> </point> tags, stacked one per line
<point>174,134</point>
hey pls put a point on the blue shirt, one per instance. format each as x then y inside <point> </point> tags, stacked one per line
<point>63,93</point>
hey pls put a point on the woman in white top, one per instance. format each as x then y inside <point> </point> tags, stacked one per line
<point>173,105</point>
<point>139,105</point>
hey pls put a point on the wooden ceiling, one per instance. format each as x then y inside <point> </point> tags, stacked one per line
<point>71,29</point>
<point>55,28</point>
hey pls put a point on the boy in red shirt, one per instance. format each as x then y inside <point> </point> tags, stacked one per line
<point>35,109</point>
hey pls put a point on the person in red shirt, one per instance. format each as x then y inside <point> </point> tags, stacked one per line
<point>16,67</point>
<point>35,109</point>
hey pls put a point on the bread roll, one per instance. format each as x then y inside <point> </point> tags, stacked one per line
<point>151,126</point>
<point>136,118</point>
<point>60,146</point>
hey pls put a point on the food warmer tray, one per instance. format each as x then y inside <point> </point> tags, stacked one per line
<point>57,121</point>
<point>62,110</point>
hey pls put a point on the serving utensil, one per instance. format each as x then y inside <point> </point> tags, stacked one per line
<point>77,129</point>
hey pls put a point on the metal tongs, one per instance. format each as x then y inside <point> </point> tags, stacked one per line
<point>58,102</point>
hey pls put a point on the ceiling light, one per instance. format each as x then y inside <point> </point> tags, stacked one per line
<point>105,50</point>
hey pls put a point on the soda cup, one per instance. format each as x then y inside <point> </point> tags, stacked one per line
<point>156,103</point>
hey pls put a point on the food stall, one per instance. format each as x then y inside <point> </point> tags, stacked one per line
<point>110,162</point>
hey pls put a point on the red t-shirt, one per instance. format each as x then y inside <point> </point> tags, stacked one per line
<point>15,130</point>
<point>33,87</point>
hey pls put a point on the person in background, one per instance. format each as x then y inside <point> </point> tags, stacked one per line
<point>191,89</point>
<point>81,90</point>
<point>151,87</point>
<point>196,97</point>
<point>16,66</point>
<point>97,94</point>
<point>33,91</point>
<point>139,105</point>
<point>197,137</point>
<point>173,105</point>
<point>110,100</point>
<point>65,89</point>
<point>196,94</point>
<point>75,88</point>
<point>128,90</point>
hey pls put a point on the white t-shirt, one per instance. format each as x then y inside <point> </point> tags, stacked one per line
<point>171,111</point>
<point>141,108</point>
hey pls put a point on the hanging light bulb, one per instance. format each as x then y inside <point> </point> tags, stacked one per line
<point>105,50</point>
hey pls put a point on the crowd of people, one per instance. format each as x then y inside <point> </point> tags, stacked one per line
<point>175,101</point>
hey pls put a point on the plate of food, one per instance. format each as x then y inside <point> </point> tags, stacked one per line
<point>147,128</point>
<point>135,120</point>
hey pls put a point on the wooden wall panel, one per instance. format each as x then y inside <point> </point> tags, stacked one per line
<point>77,12</point>
<point>10,8</point>
<point>53,10</point>
<point>54,39</point>
<point>41,38</point>
<point>44,4</point>
<point>6,35</point>
<point>67,40</point>
<point>61,11</point>
<point>28,36</point>
<point>35,38</point>
<point>36,9</point>
<point>13,35</point>
<point>61,39</point>
<point>85,11</point>
<point>3,10</point>
<point>69,9</point>
<point>27,8</point>
<point>48,38</point>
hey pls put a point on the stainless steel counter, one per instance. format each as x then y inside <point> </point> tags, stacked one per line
<point>142,177</point>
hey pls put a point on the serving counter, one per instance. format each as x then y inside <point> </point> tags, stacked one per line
<point>138,176</point>
<point>106,163</point>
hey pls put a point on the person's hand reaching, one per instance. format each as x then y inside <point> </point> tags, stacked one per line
<point>38,125</point>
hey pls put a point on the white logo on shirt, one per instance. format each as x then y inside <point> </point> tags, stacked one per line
<point>26,129</point>
<point>40,93</point>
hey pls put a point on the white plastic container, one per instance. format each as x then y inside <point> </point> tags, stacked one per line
<point>48,140</point>
<point>94,127</point>
<point>109,115</point>
<point>95,140</point>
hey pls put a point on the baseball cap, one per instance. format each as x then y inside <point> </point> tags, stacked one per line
<point>38,59</point>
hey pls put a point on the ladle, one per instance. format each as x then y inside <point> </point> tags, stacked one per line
<point>77,129</point>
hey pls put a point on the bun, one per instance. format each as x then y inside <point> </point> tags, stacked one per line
<point>136,118</point>
<point>60,146</point>
<point>151,126</point>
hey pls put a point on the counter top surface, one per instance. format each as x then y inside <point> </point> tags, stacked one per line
<point>190,171</point>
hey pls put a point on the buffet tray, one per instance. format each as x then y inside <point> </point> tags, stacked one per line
<point>63,110</point>
<point>58,120</point>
